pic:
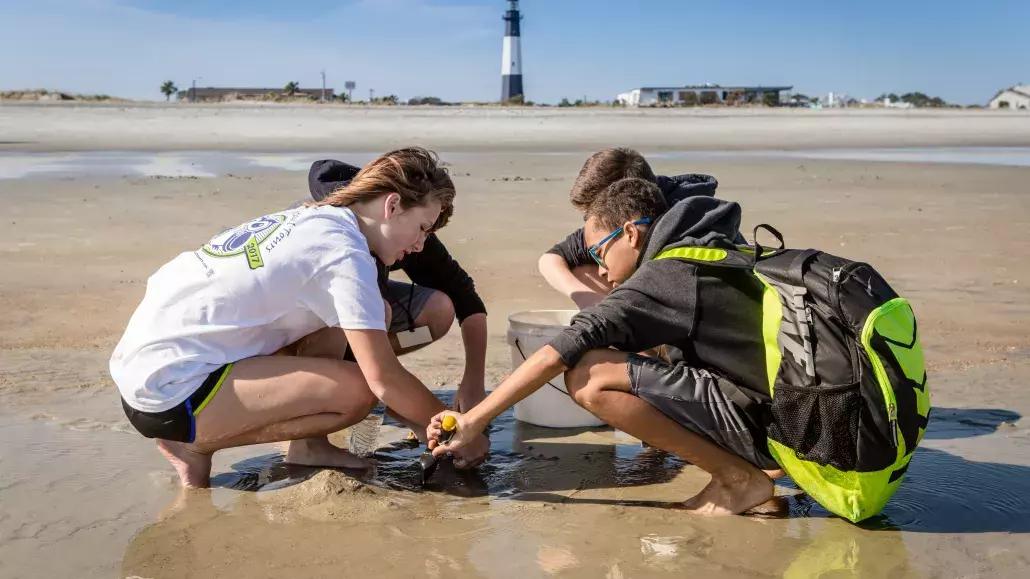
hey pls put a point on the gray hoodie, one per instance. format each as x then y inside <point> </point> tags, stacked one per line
<point>710,317</point>
<point>573,249</point>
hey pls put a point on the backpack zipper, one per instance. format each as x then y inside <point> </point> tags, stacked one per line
<point>878,369</point>
<point>841,273</point>
<point>892,414</point>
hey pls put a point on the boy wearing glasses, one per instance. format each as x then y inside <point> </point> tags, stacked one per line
<point>711,322</point>
<point>567,267</point>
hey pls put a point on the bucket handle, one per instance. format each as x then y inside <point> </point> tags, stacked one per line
<point>521,353</point>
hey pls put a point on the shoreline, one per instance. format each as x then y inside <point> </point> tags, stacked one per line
<point>272,128</point>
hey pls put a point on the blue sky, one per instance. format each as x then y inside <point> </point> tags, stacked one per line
<point>961,51</point>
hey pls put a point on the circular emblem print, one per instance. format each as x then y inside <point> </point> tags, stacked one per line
<point>245,239</point>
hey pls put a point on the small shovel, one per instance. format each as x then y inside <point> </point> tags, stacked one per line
<point>427,460</point>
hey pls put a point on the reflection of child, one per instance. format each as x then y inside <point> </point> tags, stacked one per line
<point>711,324</point>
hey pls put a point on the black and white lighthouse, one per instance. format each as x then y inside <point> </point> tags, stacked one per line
<point>511,57</point>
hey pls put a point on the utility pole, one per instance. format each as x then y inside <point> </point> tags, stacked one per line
<point>323,85</point>
<point>193,91</point>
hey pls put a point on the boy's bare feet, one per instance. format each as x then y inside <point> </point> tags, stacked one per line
<point>194,468</point>
<point>731,494</point>
<point>319,451</point>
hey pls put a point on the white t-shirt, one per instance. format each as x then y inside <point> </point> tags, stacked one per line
<point>248,292</point>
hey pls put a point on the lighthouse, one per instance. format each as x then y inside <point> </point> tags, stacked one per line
<point>511,57</point>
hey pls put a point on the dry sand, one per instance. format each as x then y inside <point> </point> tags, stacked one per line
<point>82,495</point>
<point>64,127</point>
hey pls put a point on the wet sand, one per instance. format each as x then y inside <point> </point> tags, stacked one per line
<point>82,495</point>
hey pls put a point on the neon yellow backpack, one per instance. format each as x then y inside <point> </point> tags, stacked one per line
<point>850,401</point>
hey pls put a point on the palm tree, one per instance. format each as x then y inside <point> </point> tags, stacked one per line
<point>168,89</point>
<point>292,88</point>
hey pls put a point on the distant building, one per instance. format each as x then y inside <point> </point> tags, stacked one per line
<point>708,94</point>
<point>217,94</point>
<point>898,104</point>
<point>1017,97</point>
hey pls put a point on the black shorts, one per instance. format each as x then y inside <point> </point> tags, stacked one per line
<point>178,423</point>
<point>695,399</point>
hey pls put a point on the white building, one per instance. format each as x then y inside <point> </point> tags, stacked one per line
<point>704,95</point>
<point>1017,97</point>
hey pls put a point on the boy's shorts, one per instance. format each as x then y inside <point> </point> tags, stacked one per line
<point>405,298</point>
<point>694,399</point>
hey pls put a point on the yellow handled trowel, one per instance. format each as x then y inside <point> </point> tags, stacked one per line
<point>427,460</point>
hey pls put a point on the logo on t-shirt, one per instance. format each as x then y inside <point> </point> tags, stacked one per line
<point>245,239</point>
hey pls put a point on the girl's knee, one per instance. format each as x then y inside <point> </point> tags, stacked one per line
<point>366,402</point>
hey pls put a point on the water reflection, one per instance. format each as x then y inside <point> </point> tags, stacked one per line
<point>436,537</point>
<point>554,503</point>
<point>942,493</point>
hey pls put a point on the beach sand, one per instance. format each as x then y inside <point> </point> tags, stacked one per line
<point>82,495</point>
<point>62,127</point>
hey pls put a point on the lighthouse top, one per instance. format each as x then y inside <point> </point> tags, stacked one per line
<point>512,17</point>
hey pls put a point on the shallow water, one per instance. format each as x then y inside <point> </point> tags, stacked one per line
<point>82,495</point>
<point>198,164</point>
<point>195,164</point>
<point>523,460</point>
<point>1009,156</point>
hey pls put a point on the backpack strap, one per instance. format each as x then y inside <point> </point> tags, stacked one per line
<point>707,256</point>
<point>759,250</point>
<point>795,273</point>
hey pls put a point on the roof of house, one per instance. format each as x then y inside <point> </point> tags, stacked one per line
<point>1022,90</point>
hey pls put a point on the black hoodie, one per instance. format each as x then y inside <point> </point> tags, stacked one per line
<point>675,189</point>
<point>709,316</point>
<point>433,267</point>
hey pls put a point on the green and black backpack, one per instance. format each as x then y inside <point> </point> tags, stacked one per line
<point>850,401</point>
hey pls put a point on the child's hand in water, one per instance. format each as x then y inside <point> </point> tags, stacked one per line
<point>464,434</point>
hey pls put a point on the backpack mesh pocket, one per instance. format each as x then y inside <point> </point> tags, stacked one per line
<point>820,425</point>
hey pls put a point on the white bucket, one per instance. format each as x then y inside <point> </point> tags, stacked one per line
<point>551,405</point>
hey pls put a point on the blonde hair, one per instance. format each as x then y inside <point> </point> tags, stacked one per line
<point>414,173</point>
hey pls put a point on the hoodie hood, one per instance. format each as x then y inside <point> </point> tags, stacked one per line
<point>680,187</point>
<point>694,222</point>
<point>327,176</point>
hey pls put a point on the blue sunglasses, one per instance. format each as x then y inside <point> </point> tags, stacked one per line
<point>593,251</point>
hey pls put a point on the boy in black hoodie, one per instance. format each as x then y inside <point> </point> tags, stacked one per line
<point>709,321</point>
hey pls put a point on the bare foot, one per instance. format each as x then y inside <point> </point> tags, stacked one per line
<point>731,494</point>
<point>320,452</point>
<point>194,468</point>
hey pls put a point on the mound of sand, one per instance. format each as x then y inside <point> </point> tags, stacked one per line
<point>333,495</point>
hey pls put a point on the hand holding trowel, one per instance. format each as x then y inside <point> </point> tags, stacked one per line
<point>427,461</point>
